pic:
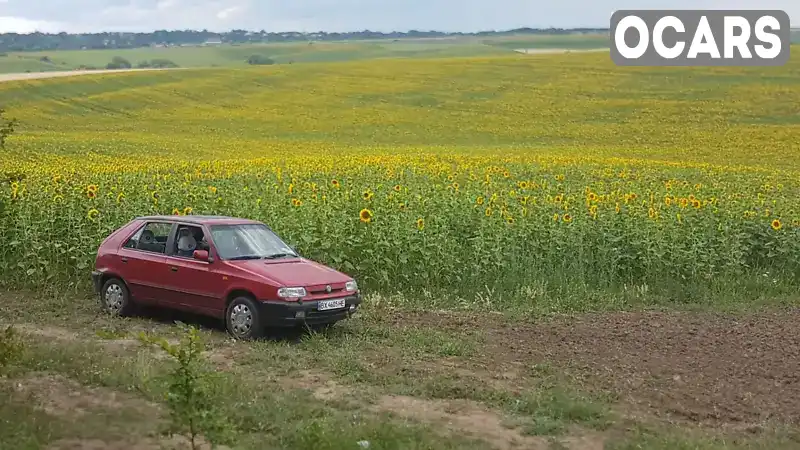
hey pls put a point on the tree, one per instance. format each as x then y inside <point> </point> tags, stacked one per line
<point>6,127</point>
<point>259,60</point>
<point>119,62</point>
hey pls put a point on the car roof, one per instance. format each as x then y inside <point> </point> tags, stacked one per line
<point>200,220</point>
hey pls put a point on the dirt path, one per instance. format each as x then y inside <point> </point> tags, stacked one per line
<point>541,51</point>
<point>67,73</point>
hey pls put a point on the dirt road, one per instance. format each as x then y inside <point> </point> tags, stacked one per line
<point>66,73</point>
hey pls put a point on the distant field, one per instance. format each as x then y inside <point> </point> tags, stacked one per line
<point>236,55</point>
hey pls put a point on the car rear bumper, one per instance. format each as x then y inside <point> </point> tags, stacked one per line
<point>289,314</point>
<point>97,281</point>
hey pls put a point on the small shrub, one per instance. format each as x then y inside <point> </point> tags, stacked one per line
<point>11,347</point>
<point>190,398</point>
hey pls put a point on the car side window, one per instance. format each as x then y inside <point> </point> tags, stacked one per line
<point>188,239</point>
<point>150,238</point>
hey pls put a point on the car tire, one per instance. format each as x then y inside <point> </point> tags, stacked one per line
<point>242,319</point>
<point>115,299</point>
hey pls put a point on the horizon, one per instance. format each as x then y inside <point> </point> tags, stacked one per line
<point>334,16</point>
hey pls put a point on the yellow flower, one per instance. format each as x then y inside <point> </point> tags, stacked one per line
<point>479,200</point>
<point>212,189</point>
<point>335,183</point>
<point>420,223</point>
<point>488,212</point>
<point>58,198</point>
<point>296,202</point>
<point>92,214</point>
<point>120,197</point>
<point>776,225</point>
<point>367,195</point>
<point>365,215</point>
<point>188,210</point>
<point>176,212</point>
<point>567,218</point>
<point>397,188</point>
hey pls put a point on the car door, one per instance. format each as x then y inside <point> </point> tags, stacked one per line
<point>194,284</point>
<point>143,257</point>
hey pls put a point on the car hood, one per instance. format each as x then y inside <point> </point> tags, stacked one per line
<point>293,272</point>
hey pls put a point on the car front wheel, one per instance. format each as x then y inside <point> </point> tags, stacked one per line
<point>115,298</point>
<point>242,319</point>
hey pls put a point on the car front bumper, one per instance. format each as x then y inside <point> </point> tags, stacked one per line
<point>289,314</point>
<point>97,281</point>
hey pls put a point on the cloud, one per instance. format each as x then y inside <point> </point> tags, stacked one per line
<point>337,15</point>
<point>22,25</point>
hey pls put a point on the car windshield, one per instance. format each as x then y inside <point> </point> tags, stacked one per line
<point>248,241</point>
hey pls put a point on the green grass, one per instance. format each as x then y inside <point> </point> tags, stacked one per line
<point>320,391</point>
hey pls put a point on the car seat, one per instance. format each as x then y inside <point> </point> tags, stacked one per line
<point>186,243</point>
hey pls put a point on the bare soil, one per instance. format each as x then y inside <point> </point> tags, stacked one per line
<point>706,368</point>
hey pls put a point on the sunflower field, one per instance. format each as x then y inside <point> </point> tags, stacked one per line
<point>532,176</point>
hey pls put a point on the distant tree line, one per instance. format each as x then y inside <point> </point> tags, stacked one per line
<point>109,40</point>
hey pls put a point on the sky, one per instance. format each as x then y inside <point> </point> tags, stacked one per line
<point>83,16</point>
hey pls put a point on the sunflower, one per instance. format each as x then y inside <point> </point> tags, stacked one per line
<point>455,185</point>
<point>667,201</point>
<point>420,223</point>
<point>92,214</point>
<point>291,188</point>
<point>58,198</point>
<point>684,202</point>
<point>365,215</point>
<point>522,185</point>
<point>510,220</point>
<point>397,188</point>
<point>335,183</point>
<point>479,200</point>
<point>567,218</point>
<point>559,177</point>
<point>176,212</point>
<point>506,174</point>
<point>592,197</point>
<point>776,225</point>
<point>555,217</point>
<point>212,189</point>
<point>188,210</point>
<point>696,203</point>
<point>154,195</point>
<point>367,195</point>
<point>91,194</point>
<point>91,187</point>
<point>120,197</point>
<point>488,212</point>
<point>558,198</point>
<point>296,202</point>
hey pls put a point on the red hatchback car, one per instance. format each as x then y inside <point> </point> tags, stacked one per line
<point>234,269</point>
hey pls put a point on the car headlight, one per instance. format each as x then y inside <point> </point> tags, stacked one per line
<point>351,286</point>
<point>292,292</point>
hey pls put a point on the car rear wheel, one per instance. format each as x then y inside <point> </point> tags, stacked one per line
<point>242,319</point>
<point>115,298</point>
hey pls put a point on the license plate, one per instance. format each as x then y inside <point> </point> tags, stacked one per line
<point>324,305</point>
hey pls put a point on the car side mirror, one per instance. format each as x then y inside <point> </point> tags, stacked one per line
<point>202,255</point>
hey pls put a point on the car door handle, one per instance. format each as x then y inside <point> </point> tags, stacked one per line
<point>173,268</point>
<point>124,260</point>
